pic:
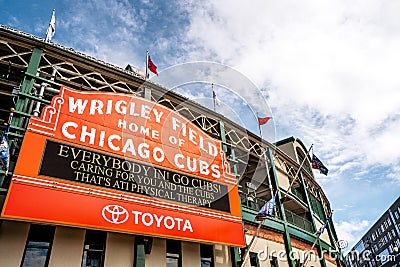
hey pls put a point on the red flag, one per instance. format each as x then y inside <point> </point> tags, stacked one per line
<point>151,66</point>
<point>262,121</point>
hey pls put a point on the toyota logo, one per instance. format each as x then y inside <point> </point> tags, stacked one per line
<point>115,214</point>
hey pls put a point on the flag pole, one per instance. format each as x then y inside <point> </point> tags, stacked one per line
<point>147,64</point>
<point>259,126</point>
<point>258,229</point>
<point>214,95</point>
<point>319,233</point>
<point>298,171</point>
<point>251,243</point>
<point>310,251</point>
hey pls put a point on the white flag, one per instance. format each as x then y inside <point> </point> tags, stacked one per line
<point>215,98</point>
<point>52,27</point>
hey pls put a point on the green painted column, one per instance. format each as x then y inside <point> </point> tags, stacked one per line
<point>225,147</point>
<point>223,135</point>
<point>140,256</point>
<point>319,247</point>
<point>26,87</point>
<point>332,235</point>
<point>17,127</point>
<point>279,205</point>
<point>236,259</point>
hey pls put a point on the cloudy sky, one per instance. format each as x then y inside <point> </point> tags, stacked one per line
<point>328,70</point>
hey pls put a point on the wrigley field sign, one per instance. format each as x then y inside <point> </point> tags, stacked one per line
<point>122,163</point>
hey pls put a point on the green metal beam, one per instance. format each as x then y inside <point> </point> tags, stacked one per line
<point>29,74</point>
<point>274,224</point>
<point>300,233</point>
<point>236,251</point>
<point>232,159</point>
<point>331,234</point>
<point>319,248</point>
<point>27,85</point>
<point>140,256</point>
<point>235,256</point>
<point>34,98</point>
<point>279,204</point>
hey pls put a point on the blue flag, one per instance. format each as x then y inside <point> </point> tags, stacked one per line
<point>266,210</point>
<point>4,154</point>
<point>321,230</point>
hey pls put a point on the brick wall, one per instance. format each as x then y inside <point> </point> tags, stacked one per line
<point>265,233</point>
<point>278,237</point>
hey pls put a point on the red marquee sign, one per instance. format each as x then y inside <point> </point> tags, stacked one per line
<point>122,163</point>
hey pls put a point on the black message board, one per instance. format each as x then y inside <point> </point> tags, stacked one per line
<point>72,163</point>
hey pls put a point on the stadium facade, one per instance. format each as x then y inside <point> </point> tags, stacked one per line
<point>380,244</point>
<point>109,170</point>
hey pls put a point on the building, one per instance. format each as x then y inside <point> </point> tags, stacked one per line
<point>79,192</point>
<point>380,245</point>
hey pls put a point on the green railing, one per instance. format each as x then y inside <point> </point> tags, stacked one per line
<point>299,221</point>
<point>254,203</point>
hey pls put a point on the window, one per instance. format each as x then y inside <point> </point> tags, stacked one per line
<point>207,255</point>
<point>396,214</point>
<point>174,253</point>
<point>383,256</point>
<point>254,259</point>
<point>38,246</point>
<point>389,222</point>
<point>94,249</point>
<point>373,236</point>
<point>273,261</point>
<point>360,247</point>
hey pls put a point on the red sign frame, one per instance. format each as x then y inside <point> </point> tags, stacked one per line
<point>35,197</point>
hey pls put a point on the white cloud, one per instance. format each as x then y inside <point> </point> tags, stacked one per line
<point>333,58</point>
<point>351,231</point>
